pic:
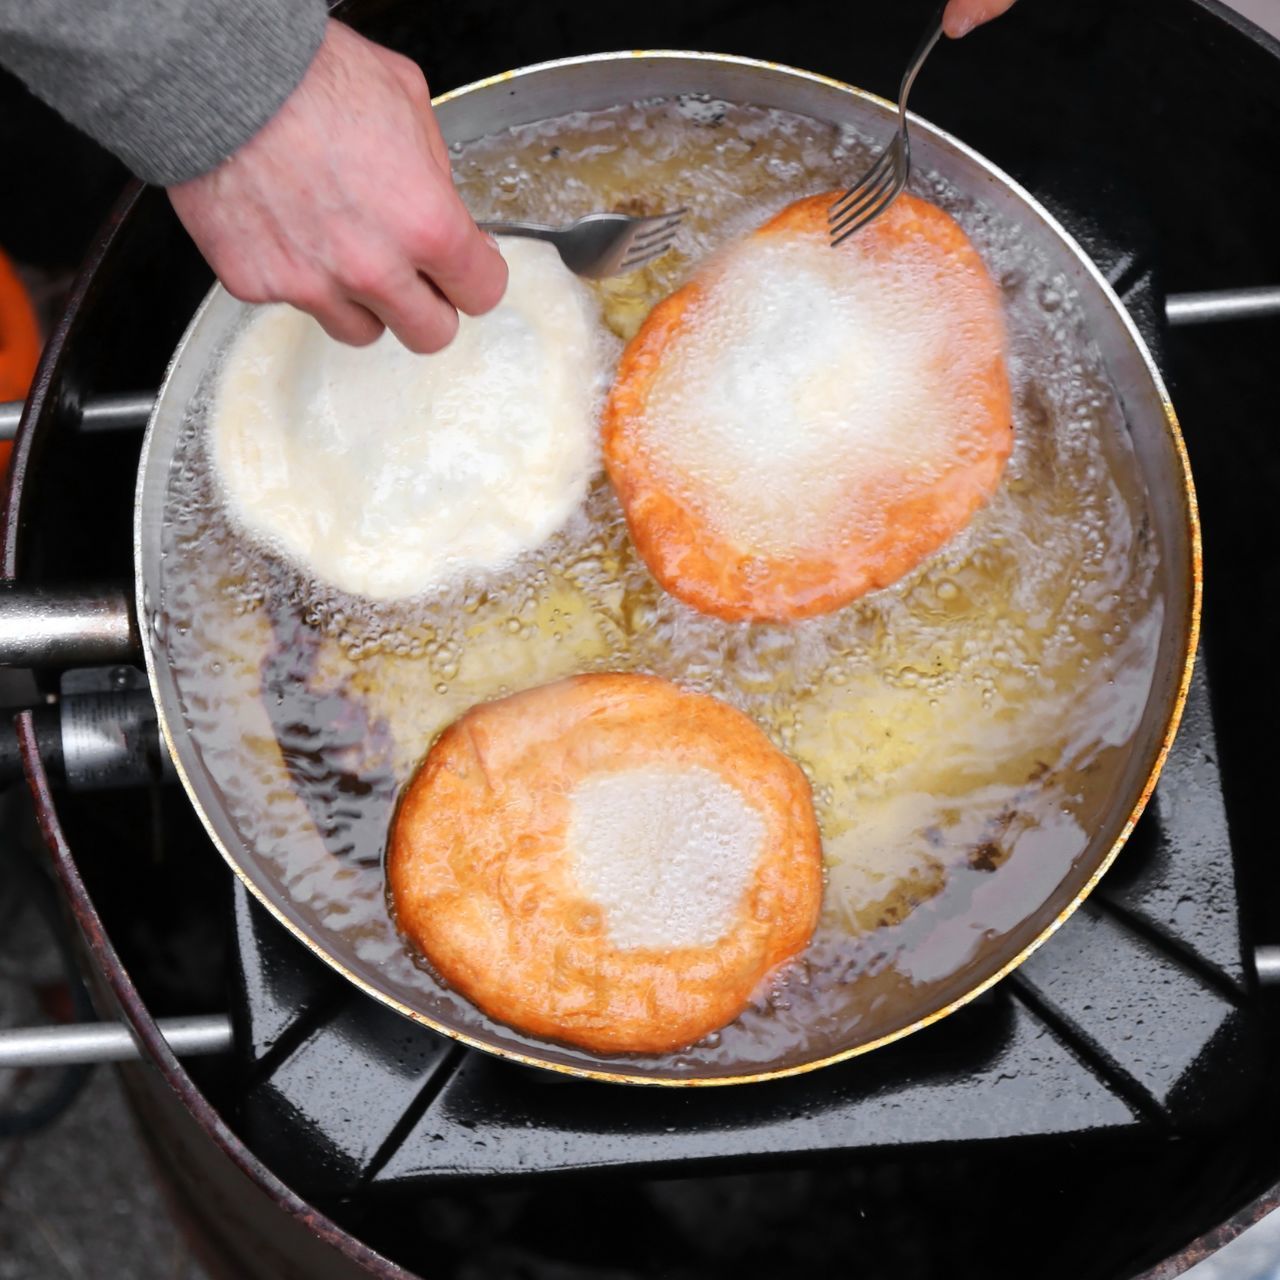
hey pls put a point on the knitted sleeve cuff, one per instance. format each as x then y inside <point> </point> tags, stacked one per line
<point>172,87</point>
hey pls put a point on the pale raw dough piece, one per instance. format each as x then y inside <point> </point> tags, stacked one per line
<point>387,474</point>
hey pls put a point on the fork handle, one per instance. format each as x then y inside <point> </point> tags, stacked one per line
<point>923,50</point>
<point>532,230</point>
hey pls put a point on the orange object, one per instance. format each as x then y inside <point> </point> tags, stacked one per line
<point>799,425</point>
<point>19,343</point>
<point>609,861</point>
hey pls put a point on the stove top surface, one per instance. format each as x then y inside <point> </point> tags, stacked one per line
<point>1119,1078</point>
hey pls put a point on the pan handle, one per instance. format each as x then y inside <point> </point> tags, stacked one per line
<point>44,627</point>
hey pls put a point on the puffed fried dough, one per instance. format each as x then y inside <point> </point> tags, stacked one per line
<point>721,573</point>
<point>482,881</point>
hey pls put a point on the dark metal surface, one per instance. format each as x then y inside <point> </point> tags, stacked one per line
<point>118,995</point>
<point>1211,1241</point>
<point>94,343</point>
<point>1109,1210</point>
<point>48,730</point>
<point>98,733</point>
<point>109,736</point>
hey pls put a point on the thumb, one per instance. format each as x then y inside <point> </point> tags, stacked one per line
<point>962,16</point>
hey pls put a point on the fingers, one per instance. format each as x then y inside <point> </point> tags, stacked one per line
<point>356,297</point>
<point>390,289</point>
<point>962,16</point>
<point>413,309</point>
<point>346,321</point>
<point>343,205</point>
<point>448,248</point>
<point>444,242</point>
<point>343,318</point>
<point>414,84</point>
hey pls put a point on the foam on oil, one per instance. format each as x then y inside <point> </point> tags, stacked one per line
<point>963,730</point>
<point>667,855</point>
<point>858,362</point>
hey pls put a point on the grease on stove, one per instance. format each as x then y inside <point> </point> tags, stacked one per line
<point>925,715</point>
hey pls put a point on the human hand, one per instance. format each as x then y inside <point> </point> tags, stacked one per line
<point>344,205</point>
<point>962,16</point>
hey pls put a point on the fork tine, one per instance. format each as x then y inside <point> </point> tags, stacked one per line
<point>869,213</point>
<point>889,159</point>
<point>637,256</point>
<point>873,194</point>
<point>643,242</point>
<point>870,194</point>
<point>840,207</point>
<point>871,205</point>
<point>886,161</point>
<point>658,227</point>
<point>888,180</point>
<point>648,242</point>
<point>598,245</point>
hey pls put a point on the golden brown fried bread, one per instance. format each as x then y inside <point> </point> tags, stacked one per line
<point>609,861</point>
<point>798,424</point>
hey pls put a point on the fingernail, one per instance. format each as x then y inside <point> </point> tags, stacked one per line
<point>493,242</point>
<point>960,26</point>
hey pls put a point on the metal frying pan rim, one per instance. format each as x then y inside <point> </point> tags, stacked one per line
<point>178,749</point>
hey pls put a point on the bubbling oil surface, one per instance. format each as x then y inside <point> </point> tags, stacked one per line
<point>963,730</point>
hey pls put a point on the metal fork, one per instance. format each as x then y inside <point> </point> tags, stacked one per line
<point>601,244</point>
<point>881,185</point>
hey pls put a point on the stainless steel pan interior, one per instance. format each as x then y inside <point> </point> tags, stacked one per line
<point>595,83</point>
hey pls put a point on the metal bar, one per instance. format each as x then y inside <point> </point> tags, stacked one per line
<point>65,628</point>
<point>103,413</point>
<point>1267,962</point>
<point>10,416</point>
<point>1222,304</point>
<point>118,412</point>
<point>109,1041</point>
<point>123,410</point>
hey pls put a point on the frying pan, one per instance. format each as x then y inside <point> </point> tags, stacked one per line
<point>596,82</point>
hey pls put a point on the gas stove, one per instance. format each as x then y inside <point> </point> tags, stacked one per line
<point>1121,1078</point>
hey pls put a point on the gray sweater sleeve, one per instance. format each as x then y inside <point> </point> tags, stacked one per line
<point>172,87</point>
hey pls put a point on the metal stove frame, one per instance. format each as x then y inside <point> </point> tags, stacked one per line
<point>1139,910</point>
